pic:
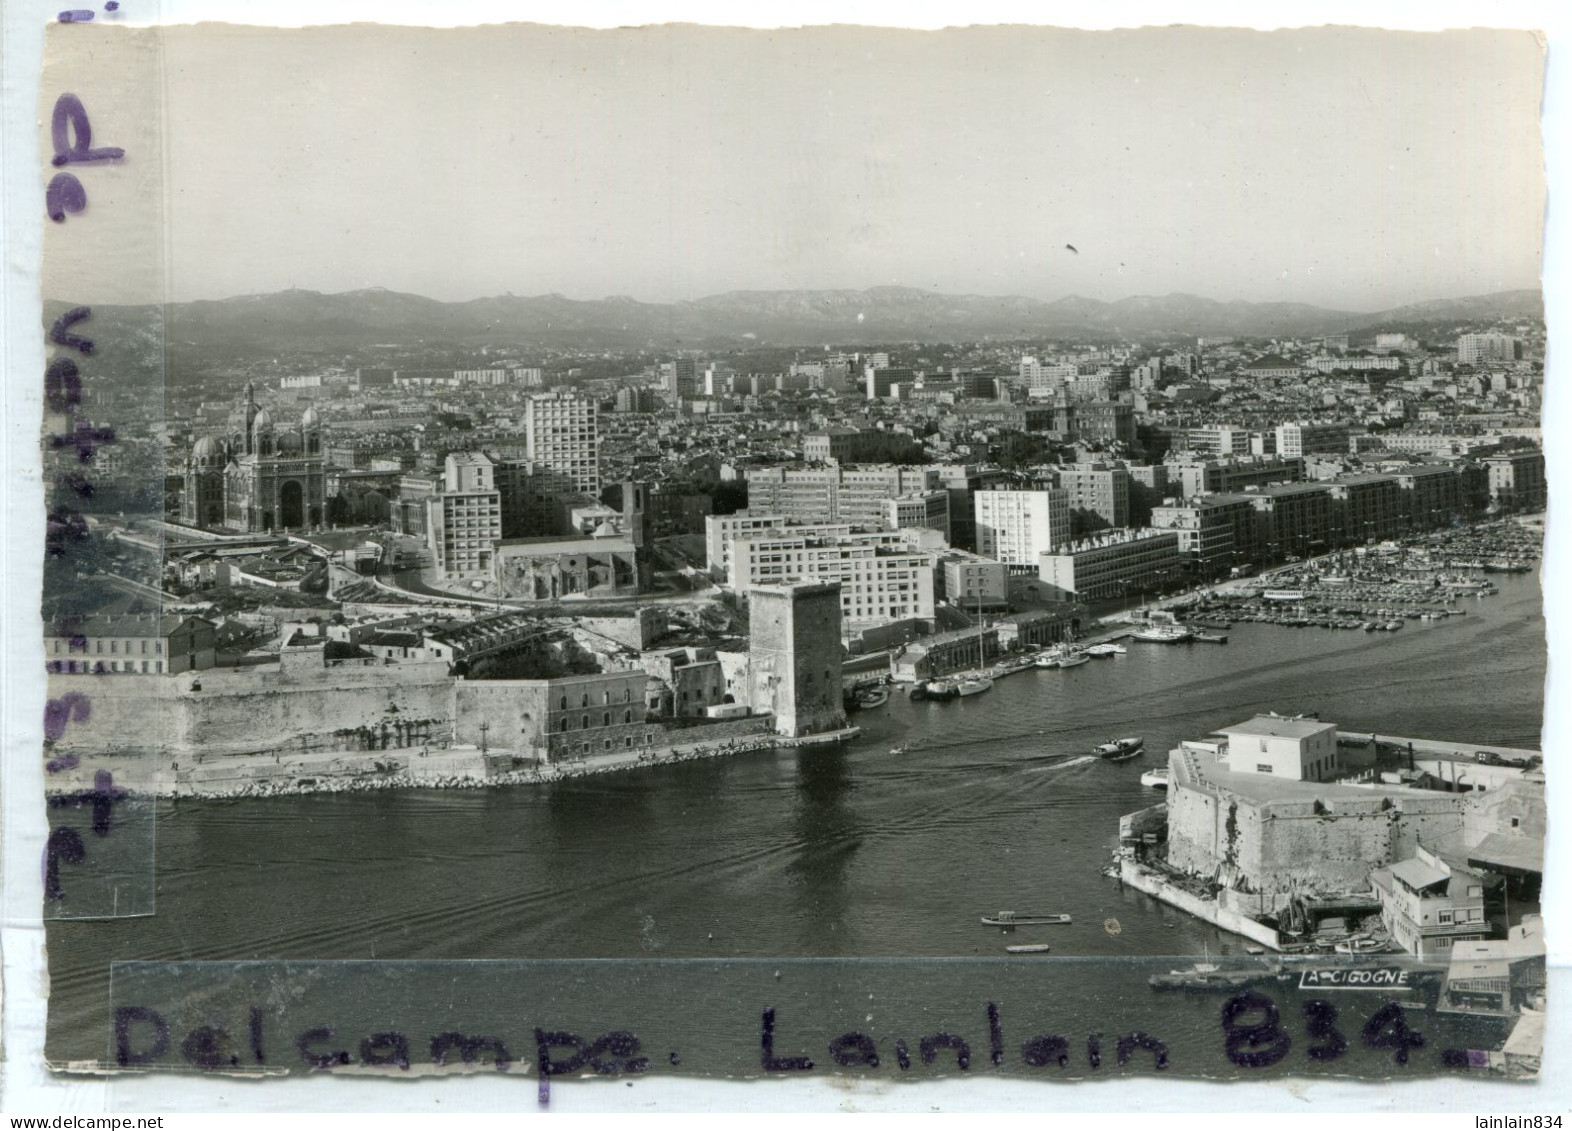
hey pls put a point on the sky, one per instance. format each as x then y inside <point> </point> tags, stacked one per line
<point>1351,169</point>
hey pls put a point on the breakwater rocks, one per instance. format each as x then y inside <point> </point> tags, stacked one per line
<point>301,781</point>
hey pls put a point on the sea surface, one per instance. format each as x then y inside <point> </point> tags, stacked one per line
<point>848,852</point>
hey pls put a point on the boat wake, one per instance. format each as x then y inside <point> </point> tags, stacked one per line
<point>1078,760</point>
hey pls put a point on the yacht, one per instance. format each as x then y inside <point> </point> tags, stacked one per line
<point>973,685</point>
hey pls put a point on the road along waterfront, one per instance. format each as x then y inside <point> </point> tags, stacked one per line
<point>831,851</point>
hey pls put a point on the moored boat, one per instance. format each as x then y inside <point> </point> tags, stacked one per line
<point>973,685</point>
<point>1047,661</point>
<point>1016,919</point>
<point>1109,649</point>
<point>1074,659</point>
<point>1155,779</point>
<point>1162,634</point>
<point>872,697</point>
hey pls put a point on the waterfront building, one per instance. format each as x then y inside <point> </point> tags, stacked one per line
<point>1433,494</point>
<point>1297,749</point>
<point>1303,438</point>
<point>1517,480</point>
<point>1112,564</point>
<point>1015,527</point>
<point>1369,507</point>
<point>1216,532</point>
<point>721,529</point>
<point>555,720</point>
<point>129,644</point>
<point>1298,518</point>
<point>971,581</point>
<point>1429,904</point>
<point>562,431</point>
<point>880,579</point>
<point>794,656</point>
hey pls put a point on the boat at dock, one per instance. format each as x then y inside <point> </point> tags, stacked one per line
<point>1155,779</point>
<point>869,698</point>
<point>1205,976</point>
<point>1016,919</point>
<point>973,685</point>
<point>939,690</point>
<point>1210,638</point>
<point>1109,649</point>
<point>1028,948</point>
<point>1119,749</point>
<point>1047,661</point>
<point>1074,659</point>
<point>1162,634</point>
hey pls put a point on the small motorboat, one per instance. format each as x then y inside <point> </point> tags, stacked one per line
<point>1028,948</point>
<point>898,749</point>
<point>1047,661</point>
<point>1016,919</point>
<point>872,697</point>
<point>1119,749</point>
<point>1156,779</point>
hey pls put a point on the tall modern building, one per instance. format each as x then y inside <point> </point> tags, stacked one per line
<point>464,519</point>
<point>1015,527</point>
<point>682,377</point>
<point>561,431</point>
<point>1485,349</point>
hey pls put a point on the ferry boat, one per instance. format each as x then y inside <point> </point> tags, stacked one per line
<point>1028,948</point>
<point>1155,779</point>
<point>1119,749</point>
<point>1162,634</point>
<point>973,685</point>
<point>1016,919</point>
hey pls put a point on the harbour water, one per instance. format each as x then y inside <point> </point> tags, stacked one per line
<point>799,853</point>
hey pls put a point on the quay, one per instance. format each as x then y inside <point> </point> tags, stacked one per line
<point>342,772</point>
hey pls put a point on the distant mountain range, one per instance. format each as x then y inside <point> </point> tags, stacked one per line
<point>785,318</point>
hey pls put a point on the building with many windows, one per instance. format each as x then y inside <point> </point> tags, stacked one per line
<point>1486,349</point>
<point>881,579</point>
<point>464,519</point>
<point>1015,527</point>
<point>1217,533</point>
<point>1297,519</point>
<point>1429,904</point>
<point>922,510</point>
<point>1517,480</point>
<point>1303,437</point>
<point>127,644</point>
<point>1098,493</point>
<point>1112,565</point>
<point>562,431</point>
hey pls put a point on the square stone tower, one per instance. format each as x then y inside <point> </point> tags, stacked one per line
<point>794,656</point>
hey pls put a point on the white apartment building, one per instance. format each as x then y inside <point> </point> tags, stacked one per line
<point>1476,349</point>
<point>561,431</point>
<point>881,581</point>
<point>1015,527</point>
<point>1303,437</point>
<point>721,529</point>
<point>924,510</point>
<point>464,520</point>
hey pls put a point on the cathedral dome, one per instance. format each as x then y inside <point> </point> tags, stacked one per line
<point>205,449</point>
<point>263,420</point>
<point>310,419</point>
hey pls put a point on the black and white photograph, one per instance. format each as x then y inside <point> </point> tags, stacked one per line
<point>869,552</point>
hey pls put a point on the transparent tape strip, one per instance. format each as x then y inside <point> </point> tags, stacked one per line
<point>111,648</point>
<point>1050,1018</point>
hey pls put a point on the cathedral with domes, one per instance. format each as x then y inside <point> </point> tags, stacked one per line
<point>259,477</point>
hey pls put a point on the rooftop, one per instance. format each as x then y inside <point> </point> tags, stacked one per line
<point>1270,726</point>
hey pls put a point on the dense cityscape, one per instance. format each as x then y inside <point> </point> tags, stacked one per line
<point>368,571</point>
